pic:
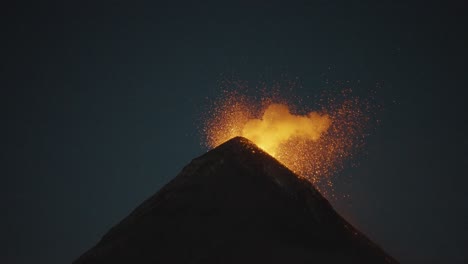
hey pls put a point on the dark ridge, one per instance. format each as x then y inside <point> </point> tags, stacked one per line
<point>235,204</point>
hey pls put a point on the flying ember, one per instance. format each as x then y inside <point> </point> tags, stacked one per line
<point>315,144</point>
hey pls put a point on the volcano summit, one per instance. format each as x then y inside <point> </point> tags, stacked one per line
<point>235,204</point>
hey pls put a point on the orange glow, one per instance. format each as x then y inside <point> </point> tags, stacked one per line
<point>315,145</point>
<point>278,125</point>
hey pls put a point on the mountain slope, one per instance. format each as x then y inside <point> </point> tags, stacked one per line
<point>235,204</point>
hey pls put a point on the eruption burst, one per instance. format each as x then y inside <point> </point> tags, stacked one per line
<point>278,126</point>
<point>315,145</point>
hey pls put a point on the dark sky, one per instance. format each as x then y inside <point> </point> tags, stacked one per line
<point>100,105</point>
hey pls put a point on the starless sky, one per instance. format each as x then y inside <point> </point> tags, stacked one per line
<point>100,105</point>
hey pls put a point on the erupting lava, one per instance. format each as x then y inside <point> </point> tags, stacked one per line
<point>315,145</point>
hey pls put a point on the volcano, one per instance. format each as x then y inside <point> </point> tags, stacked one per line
<point>235,204</point>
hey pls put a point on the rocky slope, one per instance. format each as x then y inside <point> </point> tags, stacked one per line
<point>235,204</point>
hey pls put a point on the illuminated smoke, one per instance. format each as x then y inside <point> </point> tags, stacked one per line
<point>277,126</point>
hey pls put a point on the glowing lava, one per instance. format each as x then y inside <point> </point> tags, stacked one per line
<point>315,145</point>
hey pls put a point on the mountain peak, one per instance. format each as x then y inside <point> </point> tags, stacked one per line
<point>238,146</point>
<point>239,140</point>
<point>235,204</point>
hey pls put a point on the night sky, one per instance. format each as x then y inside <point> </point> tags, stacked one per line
<point>100,104</point>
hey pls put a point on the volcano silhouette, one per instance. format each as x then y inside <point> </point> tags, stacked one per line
<point>235,204</point>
